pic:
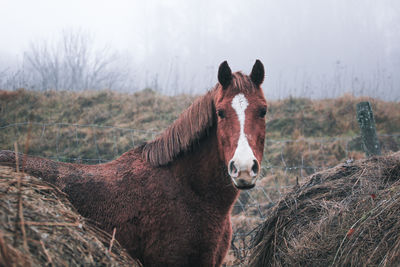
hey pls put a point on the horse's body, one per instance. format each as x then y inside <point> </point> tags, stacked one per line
<point>169,200</point>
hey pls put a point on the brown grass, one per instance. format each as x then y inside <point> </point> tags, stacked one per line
<point>320,134</point>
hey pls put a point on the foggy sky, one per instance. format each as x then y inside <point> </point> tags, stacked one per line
<point>310,48</point>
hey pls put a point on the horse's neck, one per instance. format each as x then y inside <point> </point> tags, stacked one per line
<point>205,173</point>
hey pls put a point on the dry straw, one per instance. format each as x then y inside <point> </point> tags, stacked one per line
<point>55,234</point>
<point>345,216</point>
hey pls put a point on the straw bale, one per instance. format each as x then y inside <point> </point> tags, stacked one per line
<point>345,216</point>
<point>40,227</point>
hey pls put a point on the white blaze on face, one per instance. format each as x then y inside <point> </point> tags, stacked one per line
<point>243,157</point>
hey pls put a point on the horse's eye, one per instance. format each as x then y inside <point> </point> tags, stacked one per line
<point>262,112</point>
<point>221,113</point>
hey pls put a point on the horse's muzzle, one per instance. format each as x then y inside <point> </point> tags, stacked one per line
<point>244,182</point>
<point>244,176</point>
<point>243,185</point>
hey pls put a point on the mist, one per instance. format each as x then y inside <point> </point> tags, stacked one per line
<point>316,49</point>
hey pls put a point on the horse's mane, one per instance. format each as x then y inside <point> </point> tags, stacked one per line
<point>191,125</point>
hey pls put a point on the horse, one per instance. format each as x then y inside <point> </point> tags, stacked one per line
<point>170,199</point>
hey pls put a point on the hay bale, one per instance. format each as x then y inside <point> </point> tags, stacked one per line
<point>345,216</point>
<point>39,227</point>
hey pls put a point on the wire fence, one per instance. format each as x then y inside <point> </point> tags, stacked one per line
<point>286,162</point>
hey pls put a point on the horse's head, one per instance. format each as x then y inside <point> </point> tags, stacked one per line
<point>241,109</point>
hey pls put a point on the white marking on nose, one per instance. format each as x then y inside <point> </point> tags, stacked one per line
<point>244,156</point>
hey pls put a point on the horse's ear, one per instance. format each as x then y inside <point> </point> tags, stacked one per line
<point>224,74</point>
<point>257,73</point>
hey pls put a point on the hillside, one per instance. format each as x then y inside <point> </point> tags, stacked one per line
<point>148,110</point>
<point>303,136</point>
<point>71,126</point>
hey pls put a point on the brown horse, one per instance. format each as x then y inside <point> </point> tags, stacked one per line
<point>170,199</point>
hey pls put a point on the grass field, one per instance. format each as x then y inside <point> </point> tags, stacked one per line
<point>303,123</point>
<point>303,135</point>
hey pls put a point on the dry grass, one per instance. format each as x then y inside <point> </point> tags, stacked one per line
<point>39,227</point>
<point>303,122</point>
<point>345,216</point>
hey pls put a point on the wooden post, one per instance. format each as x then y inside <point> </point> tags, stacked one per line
<point>366,121</point>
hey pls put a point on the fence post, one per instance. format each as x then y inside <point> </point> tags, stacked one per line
<point>366,121</point>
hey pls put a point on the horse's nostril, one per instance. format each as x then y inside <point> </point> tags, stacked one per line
<point>232,167</point>
<point>255,167</point>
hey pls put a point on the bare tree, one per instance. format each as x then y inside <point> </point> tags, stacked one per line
<point>13,78</point>
<point>73,63</point>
